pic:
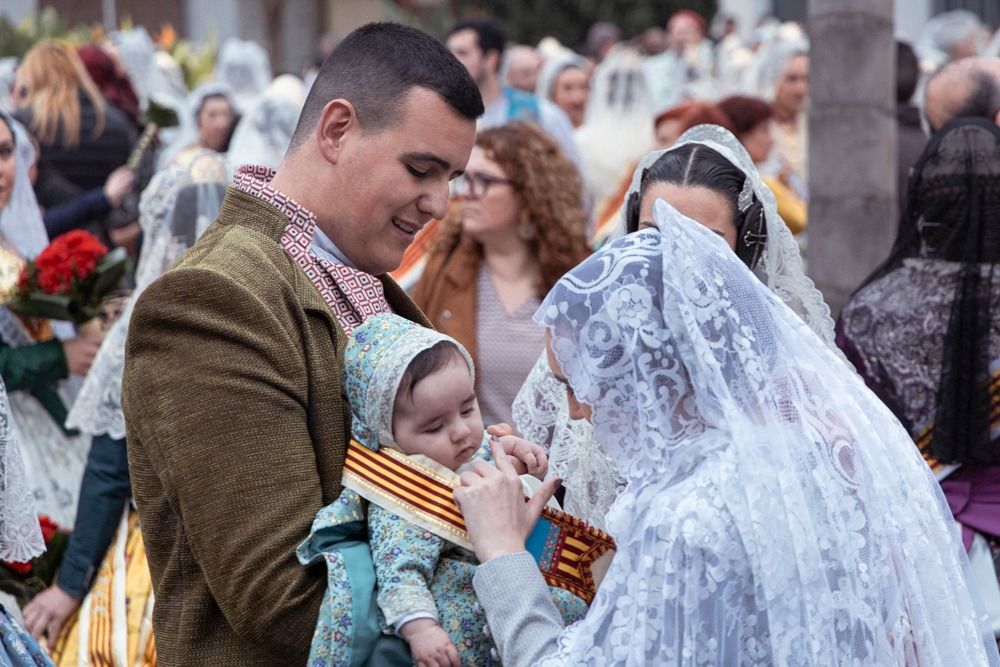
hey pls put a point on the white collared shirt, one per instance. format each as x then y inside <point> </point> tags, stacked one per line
<point>324,248</point>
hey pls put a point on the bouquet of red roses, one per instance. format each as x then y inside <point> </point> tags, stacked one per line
<point>70,279</point>
<point>26,580</point>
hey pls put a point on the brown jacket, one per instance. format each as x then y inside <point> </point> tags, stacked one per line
<point>237,429</point>
<point>446,292</point>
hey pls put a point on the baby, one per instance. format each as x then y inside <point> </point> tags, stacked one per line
<point>413,389</point>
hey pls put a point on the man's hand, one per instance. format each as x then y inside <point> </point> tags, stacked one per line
<point>526,457</point>
<point>47,613</point>
<point>430,645</point>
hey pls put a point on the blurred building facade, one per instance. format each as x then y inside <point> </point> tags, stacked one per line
<point>289,29</point>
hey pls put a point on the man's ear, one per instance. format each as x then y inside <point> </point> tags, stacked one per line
<point>996,118</point>
<point>337,122</point>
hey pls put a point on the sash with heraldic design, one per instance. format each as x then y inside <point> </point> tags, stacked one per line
<point>570,553</point>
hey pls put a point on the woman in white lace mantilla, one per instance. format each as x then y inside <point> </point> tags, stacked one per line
<point>708,176</point>
<point>20,538</point>
<point>775,512</point>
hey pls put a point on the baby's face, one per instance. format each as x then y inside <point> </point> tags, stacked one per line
<point>440,417</point>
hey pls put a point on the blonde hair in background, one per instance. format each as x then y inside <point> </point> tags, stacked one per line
<point>49,81</point>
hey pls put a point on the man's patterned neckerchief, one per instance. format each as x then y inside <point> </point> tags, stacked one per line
<point>352,295</point>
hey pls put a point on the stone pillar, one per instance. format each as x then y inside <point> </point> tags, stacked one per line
<point>852,143</point>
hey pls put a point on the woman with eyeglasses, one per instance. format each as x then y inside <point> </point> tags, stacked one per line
<point>518,228</point>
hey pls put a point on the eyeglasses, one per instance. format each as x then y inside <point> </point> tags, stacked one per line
<point>476,185</point>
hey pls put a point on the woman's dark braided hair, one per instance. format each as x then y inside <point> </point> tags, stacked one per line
<point>696,165</point>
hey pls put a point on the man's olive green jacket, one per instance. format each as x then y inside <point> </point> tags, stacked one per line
<point>237,430</point>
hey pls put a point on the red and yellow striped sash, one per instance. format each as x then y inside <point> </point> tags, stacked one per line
<point>571,554</point>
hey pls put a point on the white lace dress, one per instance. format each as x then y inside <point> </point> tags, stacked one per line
<point>53,460</point>
<point>774,512</point>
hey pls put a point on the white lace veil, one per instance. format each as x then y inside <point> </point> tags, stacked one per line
<point>618,128</point>
<point>780,267</point>
<point>175,209</point>
<point>186,133</point>
<point>245,67</point>
<point>21,219</point>
<point>773,61</point>
<point>20,534</point>
<point>775,512</point>
<point>946,31</point>
<point>45,476</point>
<point>264,132</point>
<point>551,70</point>
<point>142,62</point>
<point>540,412</point>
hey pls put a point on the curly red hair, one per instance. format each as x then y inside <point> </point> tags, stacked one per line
<point>550,191</point>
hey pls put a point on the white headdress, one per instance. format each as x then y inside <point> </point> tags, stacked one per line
<point>618,128</point>
<point>186,133</point>
<point>780,268</point>
<point>553,67</point>
<point>540,411</point>
<point>245,67</point>
<point>266,129</point>
<point>772,64</point>
<point>776,512</point>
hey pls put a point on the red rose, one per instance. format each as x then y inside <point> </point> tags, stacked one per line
<point>20,568</point>
<point>70,257</point>
<point>49,528</point>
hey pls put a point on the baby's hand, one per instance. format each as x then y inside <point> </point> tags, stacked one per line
<point>526,457</point>
<point>430,645</point>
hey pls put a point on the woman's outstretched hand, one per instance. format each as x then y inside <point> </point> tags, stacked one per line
<point>497,515</point>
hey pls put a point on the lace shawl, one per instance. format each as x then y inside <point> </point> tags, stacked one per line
<point>20,534</point>
<point>775,513</point>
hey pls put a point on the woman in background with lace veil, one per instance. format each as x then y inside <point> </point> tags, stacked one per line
<point>775,513</point>
<point>20,538</point>
<point>176,208</point>
<point>924,331</point>
<point>708,176</point>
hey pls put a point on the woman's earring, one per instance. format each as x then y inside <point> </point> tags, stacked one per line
<point>526,232</point>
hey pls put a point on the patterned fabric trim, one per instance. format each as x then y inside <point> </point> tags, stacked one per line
<point>352,295</point>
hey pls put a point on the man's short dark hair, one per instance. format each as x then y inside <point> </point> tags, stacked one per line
<point>375,67</point>
<point>984,99</point>
<point>490,35</point>
<point>907,72</point>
